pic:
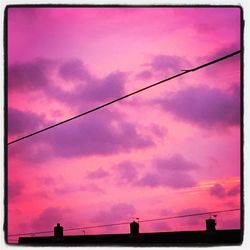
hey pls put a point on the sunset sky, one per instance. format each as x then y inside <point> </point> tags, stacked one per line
<point>171,150</point>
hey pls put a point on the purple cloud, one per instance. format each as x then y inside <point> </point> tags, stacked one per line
<point>205,106</point>
<point>126,172</point>
<point>152,180</point>
<point>94,135</point>
<point>98,173</point>
<point>222,52</point>
<point>176,181</point>
<point>175,163</point>
<point>49,218</point>
<point>144,75</point>
<point>163,64</point>
<point>172,172</point>
<point>38,75</point>
<point>74,70</point>
<point>234,190</point>
<point>117,213</point>
<point>90,135</point>
<point>92,90</point>
<point>24,121</point>
<point>218,190</point>
<point>111,86</point>
<point>39,153</point>
<point>30,76</point>
<point>15,189</point>
<point>169,64</point>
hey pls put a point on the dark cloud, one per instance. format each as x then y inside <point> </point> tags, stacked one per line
<point>117,213</point>
<point>231,65</point>
<point>167,63</point>
<point>74,70</point>
<point>152,180</point>
<point>15,189</point>
<point>222,52</point>
<point>218,190</point>
<point>144,75</point>
<point>163,65</point>
<point>24,121</point>
<point>175,163</point>
<point>172,172</point>
<point>94,135</point>
<point>39,153</point>
<point>98,173</point>
<point>176,181</point>
<point>92,90</point>
<point>91,135</point>
<point>85,87</point>
<point>111,86</point>
<point>49,218</point>
<point>30,76</point>
<point>205,106</point>
<point>234,190</point>
<point>126,172</point>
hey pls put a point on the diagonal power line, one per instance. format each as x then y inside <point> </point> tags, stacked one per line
<point>126,223</point>
<point>126,96</point>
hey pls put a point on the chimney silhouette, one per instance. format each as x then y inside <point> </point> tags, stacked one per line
<point>134,228</point>
<point>210,225</point>
<point>58,231</point>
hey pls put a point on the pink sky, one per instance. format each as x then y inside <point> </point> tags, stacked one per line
<point>174,149</point>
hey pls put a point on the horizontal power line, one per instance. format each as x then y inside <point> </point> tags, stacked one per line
<point>126,223</point>
<point>126,96</point>
<point>191,215</point>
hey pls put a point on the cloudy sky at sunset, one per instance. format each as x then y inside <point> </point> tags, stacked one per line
<point>171,150</point>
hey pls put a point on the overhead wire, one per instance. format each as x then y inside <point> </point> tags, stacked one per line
<point>126,223</point>
<point>126,96</point>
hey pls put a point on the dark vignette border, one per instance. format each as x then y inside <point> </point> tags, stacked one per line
<point>5,40</point>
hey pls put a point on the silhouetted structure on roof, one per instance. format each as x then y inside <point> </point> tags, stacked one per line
<point>134,228</point>
<point>210,236</point>
<point>58,231</point>
<point>210,225</point>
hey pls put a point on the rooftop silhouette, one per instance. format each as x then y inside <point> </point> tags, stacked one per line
<point>210,236</point>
